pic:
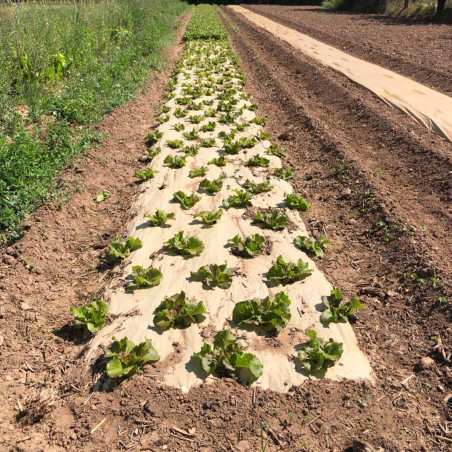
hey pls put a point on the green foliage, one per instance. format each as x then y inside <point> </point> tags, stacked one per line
<point>176,311</point>
<point>218,161</point>
<point>152,153</point>
<point>186,246</point>
<point>159,218</point>
<point>273,220</point>
<point>318,355</point>
<point>205,25</point>
<point>259,121</point>
<point>214,275</point>
<point>211,186</point>
<point>119,249</point>
<point>191,150</point>
<point>240,199</point>
<point>259,187</point>
<point>284,174</point>
<point>228,356</point>
<point>144,278</point>
<point>175,144</point>
<point>186,201</point>
<point>257,160</point>
<point>91,316</point>
<point>192,135</point>
<point>103,195</point>
<point>310,245</point>
<point>294,201</point>
<point>209,127</point>
<point>180,113</point>
<point>195,119</point>
<point>179,127</point>
<point>288,272</point>
<point>209,217</point>
<point>177,161</point>
<point>146,174</point>
<point>336,310</point>
<point>274,150</point>
<point>248,247</point>
<point>126,358</point>
<point>152,138</point>
<point>208,143</point>
<point>200,171</point>
<point>273,313</point>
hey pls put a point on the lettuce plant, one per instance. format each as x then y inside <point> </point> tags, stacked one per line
<point>240,199</point>
<point>210,143</point>
<point>174,144</point>
<point>284,174</point>
<point>144,278</point>
<point>259,187</point>
<point>91,316</point>
<point>210,113</point>
<point>274,150</point>
<point>257,160</point>
<point>179,127</point>
<point>186,201</point>
<point>310,245</point>
<point>152,153</point>
<point>259,121</point>
<point>176,311</point>
<point>159,218</point>
<point>294,201</point>
<point>336,311</point>
<point>191,150</point>
<point>318,355</point>
<point>175,162</point>
<point>126,358</point>
<point>195,119</point>
<point>119,249</point>
<point>152,138</point>
<point>192,135</point>
<point>271,313</point>
<point>209,127</point>
<point>146,174</point>
<point>249,246</point>
<point>214,275</point>
<point>211,186</point>
<point>180,113</point>
<point>218,161</point>
<point>288,272</point>
<point>200,171</point>
<point>228,356</point>
<point>209,217</point>
<point>273,220</point>
<point>186,246</point>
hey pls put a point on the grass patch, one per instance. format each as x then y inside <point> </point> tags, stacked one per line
<point>64,67</point>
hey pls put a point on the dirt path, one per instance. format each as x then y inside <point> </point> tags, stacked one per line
<point>420,51</point>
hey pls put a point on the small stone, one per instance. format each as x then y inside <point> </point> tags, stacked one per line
<point>361,446</point>
<point>346,193</point>
<point>425,363</point>
<point>391,294</point>
<point>25,306</point>
<point>148,407</point>
<point>207,405</point>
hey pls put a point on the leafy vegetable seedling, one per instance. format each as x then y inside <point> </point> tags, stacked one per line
<point>126,358</point>
<point>273,220</point>
<point>273,314</point>
<point>200,171</point>
<point>195,119</point>
<point>288,272</point>
<point>310,245</point>
<point>152,153</point>
<point>175,162</point>
<point>257,160</point>
<point>318,355</point>
<point>248,247</point>
<point>209,217</point>
<point>259,187</point>
<point>274,150</point>
<point>209,127</point>
<point>192,135</point>
<point>119,249</point>
<point>208,143</point>
<point>176,311</point>
<point>211,186</point>
<point>159,218</point>
<point>214,275</point>
<point>284,174</point>
<point>228,356</point>
<point>152,138</point>
<point>179,127</point>
<point>146,174</point>
<point>174,144</point>
<point>191,150</point>
<point>294,201</point>
<point>336,310</point>
<point>218,161</point>
<point>239,200</point>
<point>91,316</point>
<point>103,195</point>
<point>186,201</point>
<point>144,278</point>
<point>259,121</point>
<point>186,246</point>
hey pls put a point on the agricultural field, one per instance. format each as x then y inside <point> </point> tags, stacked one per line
<point>217,235</point>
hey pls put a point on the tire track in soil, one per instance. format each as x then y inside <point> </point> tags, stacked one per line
<point>401,316</point>
<point>424,73</point>
<point>412,171</point>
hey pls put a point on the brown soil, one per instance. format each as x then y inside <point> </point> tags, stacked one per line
<point>420,51</point>
<point>56,265</point>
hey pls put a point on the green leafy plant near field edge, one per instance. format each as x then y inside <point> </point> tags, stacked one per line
<point>273,220</point>
<point>273,313</point>
<point>294,201</point>
<point>336,311</point>
<point>91,316</point>
<point>187,246</point>
<point>209,217</point>
<point>214,275</point>
<point>176,311</point>
<point>119,249</point>
<point>240,199</point>
<point>186,201</point>
<point>159,218</point>
<point>126,358</point>
<point>228,356</point>
<point>310,245</point>
<point>283,272</point>
<point>318,355</point>
<point>144,278</point>
<point>249,246</point>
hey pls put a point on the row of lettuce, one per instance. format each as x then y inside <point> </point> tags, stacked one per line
<point>218,78</point>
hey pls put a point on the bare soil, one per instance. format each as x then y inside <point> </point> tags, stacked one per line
<point>56,265</point>
<point>419,50</point>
